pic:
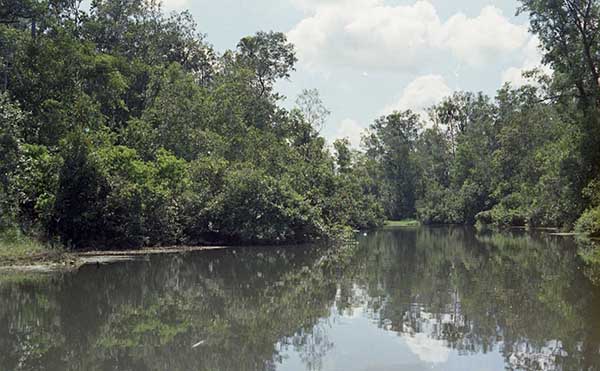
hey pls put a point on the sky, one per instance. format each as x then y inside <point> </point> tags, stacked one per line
<point>370,57</point>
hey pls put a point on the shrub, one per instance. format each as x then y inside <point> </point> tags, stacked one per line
<point>255,207</point>
<point>79,212</point>
<point>589,223</point>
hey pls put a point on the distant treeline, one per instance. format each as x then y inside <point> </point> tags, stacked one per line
<point>122,127</point>
<point>530,156</point>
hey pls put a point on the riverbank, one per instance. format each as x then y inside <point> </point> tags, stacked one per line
<point>17,250</point>
<point>28,259</point>
<point>24,255</point>
<point>402,223</point>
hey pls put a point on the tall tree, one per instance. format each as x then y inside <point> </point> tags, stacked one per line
<point>391,142</point>
<point>310,104</point>
<point>569,31</point>
<point>269,56</point>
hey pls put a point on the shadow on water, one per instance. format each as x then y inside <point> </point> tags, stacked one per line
<point>519,297</point>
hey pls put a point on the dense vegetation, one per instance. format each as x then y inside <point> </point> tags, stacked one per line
<point>529,156</point>
<point>122,127</point>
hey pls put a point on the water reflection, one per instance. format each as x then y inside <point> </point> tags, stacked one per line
<point>520,295</point>
<point>414,299</point>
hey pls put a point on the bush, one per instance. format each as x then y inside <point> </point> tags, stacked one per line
<point>36,181</point>
<point>79,212</point>
<point>589,223</point>
<point>510,212</point>
<point>11,118</point>
<point>110,197</point>
<point>351,205</point>
<point>439,206</point>
<point>254,207</point>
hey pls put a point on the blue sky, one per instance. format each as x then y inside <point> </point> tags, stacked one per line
<point>368,57</point>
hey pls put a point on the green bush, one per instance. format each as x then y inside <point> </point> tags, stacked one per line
<point>254,207</point>
<point>110,197</point>
<point>439,206</point>
<point>589,223</point>
<point>11,118</point>
<point>36,181</point>
<point>82,191</point>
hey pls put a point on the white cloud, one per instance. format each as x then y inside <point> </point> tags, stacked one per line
<point>370,34</point>
<point>350,129</point>
<point>174,4</point>
<point>479,40</point>
<point>532,60</point>
<point>420,94</point>
<point>428,349</point>
<point>308,5</point>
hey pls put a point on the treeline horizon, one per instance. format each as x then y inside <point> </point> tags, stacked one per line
<point>123,127</point>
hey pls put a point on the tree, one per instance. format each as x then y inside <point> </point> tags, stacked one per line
<point>456,113</point>
<point>314,111</point>
<point>11,121</point>
<point>343,155</point>
<point>269,56</point>
<point>568,31</point>
<point>391,142</point>
<point>81,195</point>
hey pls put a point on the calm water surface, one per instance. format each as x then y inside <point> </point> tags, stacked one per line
<point>402,299</point>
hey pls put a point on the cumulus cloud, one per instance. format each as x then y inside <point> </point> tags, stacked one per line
<point>420,94</point>
<point>350,129</point>
<point>174,4</point>
<point>371,34</point>
<point>478,40</point>
<point>365,34</point>
<point>532,60</point>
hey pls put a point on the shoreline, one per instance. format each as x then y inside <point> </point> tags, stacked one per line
<point>72,261</point>
<point>66,261</point>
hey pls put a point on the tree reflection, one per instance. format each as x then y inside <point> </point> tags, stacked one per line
<point>521,294</point>
<point>234,306</point>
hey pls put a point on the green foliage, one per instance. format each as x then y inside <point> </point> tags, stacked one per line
<point>589,222</point>
<point>391,144</point>
<point>255,207</point>
<point>36,181</point>
<point>121,127</point>
<point>81,193</point>
<point>568,32</point>
<point>513,162</point>
<point>439,205</point>
<point>343,155</point>
<point>11,121</point>
<point>269,56</point>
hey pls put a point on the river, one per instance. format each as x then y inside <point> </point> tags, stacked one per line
<point>445,298</point>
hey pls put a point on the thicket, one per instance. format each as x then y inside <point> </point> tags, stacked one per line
<point>122,127</point>
<point>530,156</point>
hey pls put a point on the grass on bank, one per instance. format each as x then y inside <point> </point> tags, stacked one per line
<point>402,223</point>
<point>16,248</point>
